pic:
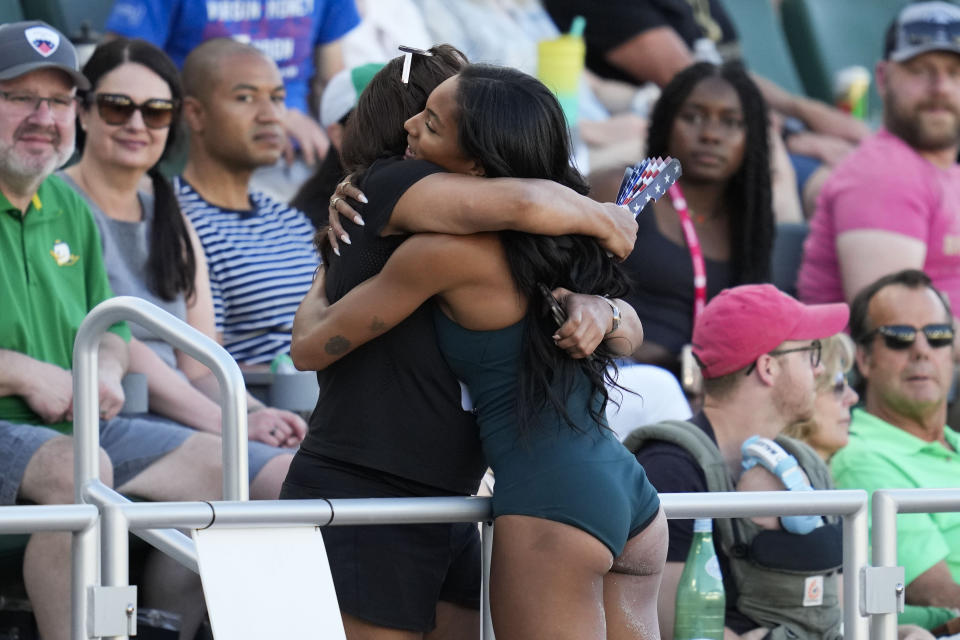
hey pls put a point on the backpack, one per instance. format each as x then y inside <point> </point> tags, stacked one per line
<point>795,595</point>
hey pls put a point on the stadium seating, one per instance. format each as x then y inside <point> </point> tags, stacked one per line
<point>10,12</point>
<point>826,36</point>
<point>762,41</point>
<point>787,254</point>
<point>80,20</point>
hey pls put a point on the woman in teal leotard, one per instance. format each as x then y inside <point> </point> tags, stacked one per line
<point>580,538</point>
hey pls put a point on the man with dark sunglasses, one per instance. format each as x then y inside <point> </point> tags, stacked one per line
<point>759,352</point>
<point>894,203</point>
<point>903,327</point>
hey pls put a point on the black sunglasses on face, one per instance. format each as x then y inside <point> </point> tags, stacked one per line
<point>117,108</point>
<point>902,336</point>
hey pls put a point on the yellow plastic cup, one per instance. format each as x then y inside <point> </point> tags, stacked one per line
<point>850,90</point>
<point>560,66</point>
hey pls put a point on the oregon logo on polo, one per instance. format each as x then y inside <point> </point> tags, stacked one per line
<point>44,40</point>
<point>61,253</point>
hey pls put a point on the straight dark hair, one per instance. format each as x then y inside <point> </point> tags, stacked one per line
<point>514,126</point>
<point>171,265</point>
<point>747,194</point>
<point>375,129</point>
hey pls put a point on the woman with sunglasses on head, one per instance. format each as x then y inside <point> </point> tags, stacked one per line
<point>580,540</point>
<point>829,428</point>
<point>128,120</point>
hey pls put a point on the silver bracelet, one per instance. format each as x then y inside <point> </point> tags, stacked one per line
<point>616,314</point>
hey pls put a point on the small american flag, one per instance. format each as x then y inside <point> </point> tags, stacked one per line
<point>647,180</point>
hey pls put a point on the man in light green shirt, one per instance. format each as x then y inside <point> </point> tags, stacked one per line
<point>904,331</point>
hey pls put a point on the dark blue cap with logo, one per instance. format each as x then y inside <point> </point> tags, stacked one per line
<point>921,28</point>
<point>33,45</point>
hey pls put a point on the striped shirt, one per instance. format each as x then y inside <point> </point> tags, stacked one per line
<point>261,265</point>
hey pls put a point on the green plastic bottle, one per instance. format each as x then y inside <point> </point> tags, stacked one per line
<point>701,602</point>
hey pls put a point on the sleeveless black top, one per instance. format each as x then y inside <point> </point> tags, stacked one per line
<point>393,404</point>
<point>661,285</point>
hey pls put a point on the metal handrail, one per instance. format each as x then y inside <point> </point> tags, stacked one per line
<point>86,425</point>
<point>86,429</point>
<point>849,503</point>
<point>118,519</point>
<point>118,516</point>
<point>47,517</point>
<point>887,503</point>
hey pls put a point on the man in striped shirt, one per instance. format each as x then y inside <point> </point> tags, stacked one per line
<point>259,251</point>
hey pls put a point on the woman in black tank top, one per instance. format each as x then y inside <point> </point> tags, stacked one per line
<point>714,120</point>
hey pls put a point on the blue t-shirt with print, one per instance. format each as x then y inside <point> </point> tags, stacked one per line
<point>287,31</point>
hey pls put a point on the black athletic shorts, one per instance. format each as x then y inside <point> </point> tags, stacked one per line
<point>389,575</point>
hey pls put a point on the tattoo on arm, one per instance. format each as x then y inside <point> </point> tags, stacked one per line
<point>377,325</point>
<point>337,345</point>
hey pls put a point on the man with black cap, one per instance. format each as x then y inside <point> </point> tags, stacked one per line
<point>894,203</point>
<point>52,274</point>
<point>759,353</point>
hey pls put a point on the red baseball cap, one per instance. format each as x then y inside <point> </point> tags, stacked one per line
<point>742,323</point>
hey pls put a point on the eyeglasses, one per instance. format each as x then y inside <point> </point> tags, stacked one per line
<point>815,348</point>
<point>899,337</point>
<point>117,108</point>
<point>24,104</point>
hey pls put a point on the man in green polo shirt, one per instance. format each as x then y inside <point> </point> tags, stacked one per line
<point>51,275</point>
<point>904,332</point>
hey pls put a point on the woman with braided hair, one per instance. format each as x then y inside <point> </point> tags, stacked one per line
<point>716,228</point>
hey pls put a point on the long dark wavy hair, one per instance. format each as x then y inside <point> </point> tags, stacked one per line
<point>748,195</point>
<point>514,126</point>
<point>171,264</point>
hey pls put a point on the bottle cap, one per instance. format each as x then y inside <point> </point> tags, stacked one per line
<point>701,525</point>
<point>577,26</point>
<point>282,364</point>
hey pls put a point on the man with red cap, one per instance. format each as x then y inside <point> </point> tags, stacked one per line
<point>759,352</point>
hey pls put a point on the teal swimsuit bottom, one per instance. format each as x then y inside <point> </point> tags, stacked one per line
<point>584,478</point>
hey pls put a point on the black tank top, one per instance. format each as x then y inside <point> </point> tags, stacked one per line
<point>393,404</point>
<point>661,285</point>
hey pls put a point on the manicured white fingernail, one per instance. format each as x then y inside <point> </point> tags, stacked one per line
<point>359,221</point>
<point>362,198</point>
<point>336,251</point>
<point>345,238</point>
